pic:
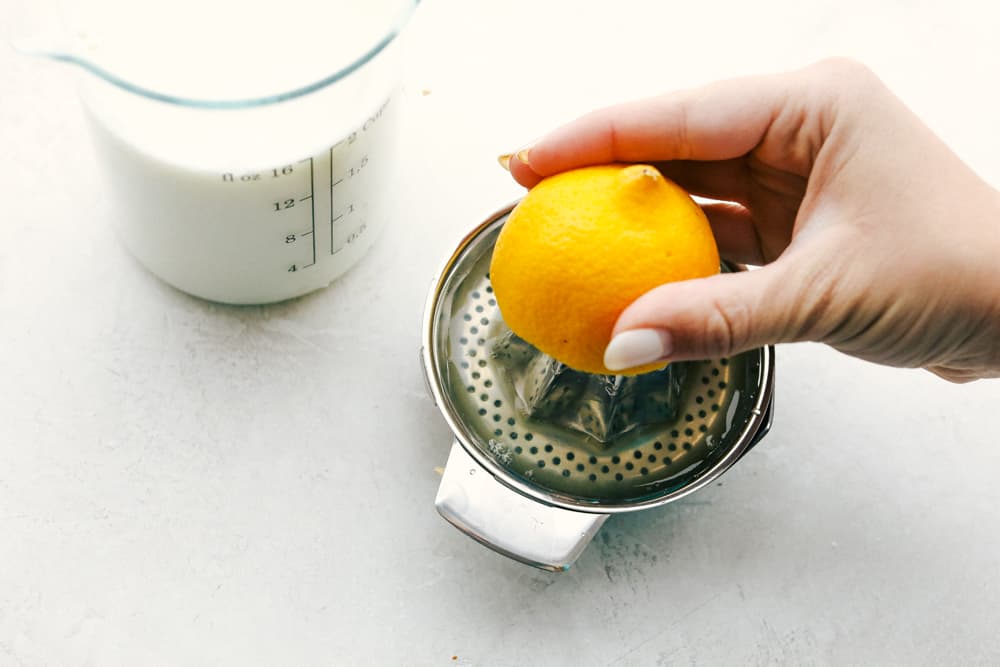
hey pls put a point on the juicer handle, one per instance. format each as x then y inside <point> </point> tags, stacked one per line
<point>550,538</point>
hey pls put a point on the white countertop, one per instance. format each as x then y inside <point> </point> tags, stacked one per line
<point>184,483</point>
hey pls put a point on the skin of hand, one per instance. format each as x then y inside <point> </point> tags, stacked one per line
<point>871,235</point>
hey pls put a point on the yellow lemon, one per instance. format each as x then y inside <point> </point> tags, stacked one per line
<point>584,244</point>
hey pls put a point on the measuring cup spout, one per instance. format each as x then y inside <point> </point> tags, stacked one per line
<point>57,46</point>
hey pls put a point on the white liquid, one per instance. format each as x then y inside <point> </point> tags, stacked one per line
<point>249,205</point>
<point>252,234</point>
<point>226,49</point>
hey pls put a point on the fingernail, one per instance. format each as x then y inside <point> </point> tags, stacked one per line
<point>637,347</point>
<point>504,160</point>
<point>522,156</point>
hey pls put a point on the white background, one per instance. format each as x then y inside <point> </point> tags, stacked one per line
<point>188,483</point>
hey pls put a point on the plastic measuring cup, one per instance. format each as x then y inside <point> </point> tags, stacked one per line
<point>248,147</point>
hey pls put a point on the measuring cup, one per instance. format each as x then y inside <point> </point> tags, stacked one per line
<point>248,147</point>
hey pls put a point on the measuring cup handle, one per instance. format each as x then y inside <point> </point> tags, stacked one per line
<point>550,538</point>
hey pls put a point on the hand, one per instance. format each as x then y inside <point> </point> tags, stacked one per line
<point>872,236</point>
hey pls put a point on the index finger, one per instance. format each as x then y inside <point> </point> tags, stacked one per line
<point>720,121</point>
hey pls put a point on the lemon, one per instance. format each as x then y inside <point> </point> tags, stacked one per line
<point>583,244</point>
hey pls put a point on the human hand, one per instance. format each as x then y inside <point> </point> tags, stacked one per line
<point>872,236</point>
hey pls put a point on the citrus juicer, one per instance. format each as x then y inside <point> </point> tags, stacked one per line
<point>542,454</point>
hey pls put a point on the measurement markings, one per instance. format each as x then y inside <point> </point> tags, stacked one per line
<point>333,184</point>
<point>312,209</point>
<point>332,251</point>
<point>334,218</point>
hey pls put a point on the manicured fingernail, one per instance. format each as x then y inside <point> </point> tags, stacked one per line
<point>637,347</point>
<point>504,160</point>
<point>522,156</point>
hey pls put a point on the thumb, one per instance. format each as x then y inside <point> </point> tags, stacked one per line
<point>705,318</point>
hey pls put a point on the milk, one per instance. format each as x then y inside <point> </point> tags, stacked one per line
<point>226,49</point>
<point>226,195</point>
